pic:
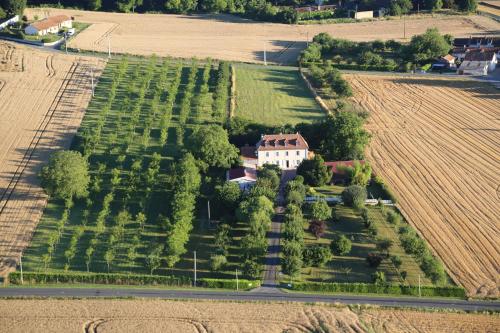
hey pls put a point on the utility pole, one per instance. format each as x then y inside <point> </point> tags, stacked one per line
<point>109,47</point>
<point>21,264</point>
<point>195,268</point>
<point>265,57</point>
<point>404,27</point>
<point>419,291</point>
<point>237,284</point>
<point>92,79</point>
<point>208,208</point>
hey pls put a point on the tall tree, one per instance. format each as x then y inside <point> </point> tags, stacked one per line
<point>315,171</point>
<point>427,46</point>
<point>210,144</point>
<point>66,175</point>
<point>13,7</point>
<point>467,5</point>
<point>344,137</point>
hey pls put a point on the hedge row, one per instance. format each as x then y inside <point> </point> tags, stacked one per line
<point>359,67</point>
<point>126,279</point>
<point>369,288</point>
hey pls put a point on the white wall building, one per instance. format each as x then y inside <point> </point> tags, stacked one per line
<point>478,63</point>
<point>49,25</point>
<point>285,150</point>
<point>8,22</point>
<point>243,176</point>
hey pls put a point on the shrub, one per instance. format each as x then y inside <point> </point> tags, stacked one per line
<point>354,196</point>
<point>396,261</point>
<point>316,255</point>
<point>217,261</point>
<point>320,210</point>
<point>393,217</point>
<point>374,259</point>
<point>252,268</point>
<point>295,198</point>
<point>341,246</point>
<point>317,228</point>
<point>379,278</point>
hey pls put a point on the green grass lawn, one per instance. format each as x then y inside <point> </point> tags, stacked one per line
<point>274,95</point>
<point>120,138</point>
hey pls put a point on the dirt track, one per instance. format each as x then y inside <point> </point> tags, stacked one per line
<point>231,38</point>
<point>437,144</point>
<point>41,107</point>
<point>177,316</point>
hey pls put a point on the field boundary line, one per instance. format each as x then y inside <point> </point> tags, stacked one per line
<point>317,97</point>
<point>4,199</point>
<point>232,101</point>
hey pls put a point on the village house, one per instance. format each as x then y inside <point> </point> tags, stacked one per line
<point>284,150</point>
<point>49,25</point>
<point>446,62</point>
<point>479,62</point>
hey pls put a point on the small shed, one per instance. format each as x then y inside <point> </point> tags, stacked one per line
<point>478,62</point>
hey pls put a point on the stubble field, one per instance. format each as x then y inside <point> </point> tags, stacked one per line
<point>43,96</point>
<point>436,143</point>
<point>192,316</point>
<point>231,38</point>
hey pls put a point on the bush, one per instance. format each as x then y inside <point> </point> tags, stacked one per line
<point>320,210</point>
<point>217,261</point>
<point>393,217</point>
<point>317,228</point>
<point>366,288</point>
<point>379,278</point>
<point>354,196</point>
<point>374,259</point>
<point>341,246</point>
<point>396,261</point>
<point>316,255</point>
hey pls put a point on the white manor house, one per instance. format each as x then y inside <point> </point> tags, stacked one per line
<point>285,150</point>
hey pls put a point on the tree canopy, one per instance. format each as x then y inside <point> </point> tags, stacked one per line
<point>315,171</point>
<point>66,175</point>
<point>210,144</point>
<point>12,7</point>
<point>428,46</point>
<point>343,137</point>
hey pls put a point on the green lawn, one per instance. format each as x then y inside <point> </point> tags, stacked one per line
<point>273,95</point>
<point>132,131</point>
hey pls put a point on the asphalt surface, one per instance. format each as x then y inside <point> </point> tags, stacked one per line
<point>251,296</point>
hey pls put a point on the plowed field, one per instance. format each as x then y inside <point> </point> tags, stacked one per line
<point>43,96</point>
<point>437,144</point>
<point>231,38</point>
<point>176,316</point>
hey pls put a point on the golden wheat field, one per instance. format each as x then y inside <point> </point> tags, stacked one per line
<point>204,316</point>
<point>228,37</point>
<point>436,141</point>
<point>43,97</point>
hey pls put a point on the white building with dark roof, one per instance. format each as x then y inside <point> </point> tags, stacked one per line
<point>479,62</point>
<point>285,150</point>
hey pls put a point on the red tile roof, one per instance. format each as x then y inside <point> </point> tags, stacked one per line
<point>50,22</point>
<point>336,164</point>
<point>282,142</point>
<point>241,172</point>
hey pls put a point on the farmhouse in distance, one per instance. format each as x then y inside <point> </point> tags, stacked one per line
<point>49,25</point>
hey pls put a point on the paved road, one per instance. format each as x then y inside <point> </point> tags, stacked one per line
<point>250,296</point>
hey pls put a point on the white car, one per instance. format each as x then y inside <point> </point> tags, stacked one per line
<point>71,31</point>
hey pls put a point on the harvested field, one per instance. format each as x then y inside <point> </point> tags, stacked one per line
<point>436,143</point>
<point>204,316</point>
<point>41,107</point>
<point>231,38</point>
